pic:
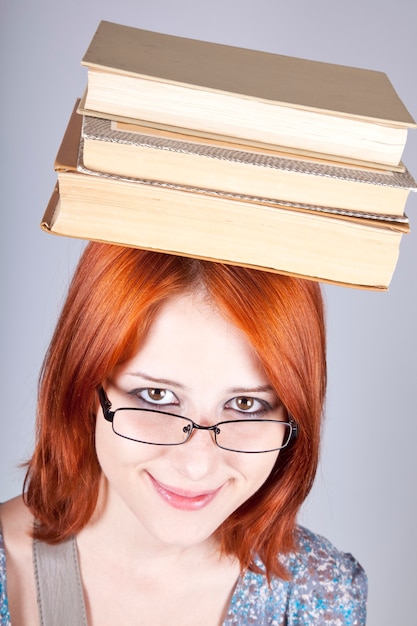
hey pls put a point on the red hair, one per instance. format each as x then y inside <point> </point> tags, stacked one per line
<point>112,301</point>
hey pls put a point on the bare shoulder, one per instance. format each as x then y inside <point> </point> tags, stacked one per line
<point>16,522</point>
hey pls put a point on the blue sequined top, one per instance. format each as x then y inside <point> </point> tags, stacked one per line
<point>4,605</point>
<point>327,587</point>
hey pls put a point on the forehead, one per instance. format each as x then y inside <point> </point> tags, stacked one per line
<point>192,317</point>
<point>191,338</point>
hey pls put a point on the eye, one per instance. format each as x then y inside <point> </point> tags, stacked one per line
<point>247,404</point>
<point>244,404</point>
<point>157,395</point>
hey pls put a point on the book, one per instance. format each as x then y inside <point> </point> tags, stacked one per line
<point>307,242</point>
<point>146,153</point>
<point>293,104</point>
<point>138,126</point>
<point>315,246</point>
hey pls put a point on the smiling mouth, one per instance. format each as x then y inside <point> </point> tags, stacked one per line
<point>183,499</point>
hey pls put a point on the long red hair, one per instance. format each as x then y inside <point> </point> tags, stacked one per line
<point>112,301</point>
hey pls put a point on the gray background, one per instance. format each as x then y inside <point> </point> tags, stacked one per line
<point>364,499</point>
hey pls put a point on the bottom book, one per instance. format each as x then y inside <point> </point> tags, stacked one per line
<point>319,246</point>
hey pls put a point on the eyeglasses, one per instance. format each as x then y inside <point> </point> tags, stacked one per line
<point>159,428</point>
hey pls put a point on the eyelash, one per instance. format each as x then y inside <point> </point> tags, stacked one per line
<point>137,393</point>
<point>265,407</point>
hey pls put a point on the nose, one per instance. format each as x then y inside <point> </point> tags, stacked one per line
<point>199,456</point>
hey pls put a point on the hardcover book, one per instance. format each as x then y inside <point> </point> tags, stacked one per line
<point>295,104</point>
<point>154,154</point>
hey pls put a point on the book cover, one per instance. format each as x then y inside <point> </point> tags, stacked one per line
<point>297,104</point>
<point>192,161</point>
<point>317,246</point>
<point>302,83</point>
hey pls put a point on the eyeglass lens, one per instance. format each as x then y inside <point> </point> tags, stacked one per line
<point>158,428</point>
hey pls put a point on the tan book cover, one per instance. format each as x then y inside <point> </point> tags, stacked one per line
<point>297,104</point>
<point>302,83</point>
<point>311,245</point>
<point>196,162</point>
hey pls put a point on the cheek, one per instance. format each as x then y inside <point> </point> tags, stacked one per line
<point>257,467</point>
<point>107,449</point>
<point>115,453</point>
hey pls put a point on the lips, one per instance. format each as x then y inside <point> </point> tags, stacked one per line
<point>183,499</point>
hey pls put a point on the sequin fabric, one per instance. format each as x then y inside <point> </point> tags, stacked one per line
<point>327,588</point>
<point>4,606</point>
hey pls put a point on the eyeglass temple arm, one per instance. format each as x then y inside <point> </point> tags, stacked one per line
<point>105,404</point>
<point>294,427</point>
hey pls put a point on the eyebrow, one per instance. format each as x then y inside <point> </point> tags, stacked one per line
<point>258,389</point>
<point>172,383</point>
<point>158,381</point>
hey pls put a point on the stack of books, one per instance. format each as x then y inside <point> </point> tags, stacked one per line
<point>235,155</point>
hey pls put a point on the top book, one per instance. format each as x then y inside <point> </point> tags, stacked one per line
<point>295,105</point>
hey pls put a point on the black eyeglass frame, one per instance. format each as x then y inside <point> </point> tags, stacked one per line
<point>109,414</point>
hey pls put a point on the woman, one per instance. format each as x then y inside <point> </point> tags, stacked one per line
<point>178,432</point>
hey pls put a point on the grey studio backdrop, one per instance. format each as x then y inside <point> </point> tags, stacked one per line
<point>364,499</point>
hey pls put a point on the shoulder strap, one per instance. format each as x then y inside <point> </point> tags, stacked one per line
<point>58,584</point>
